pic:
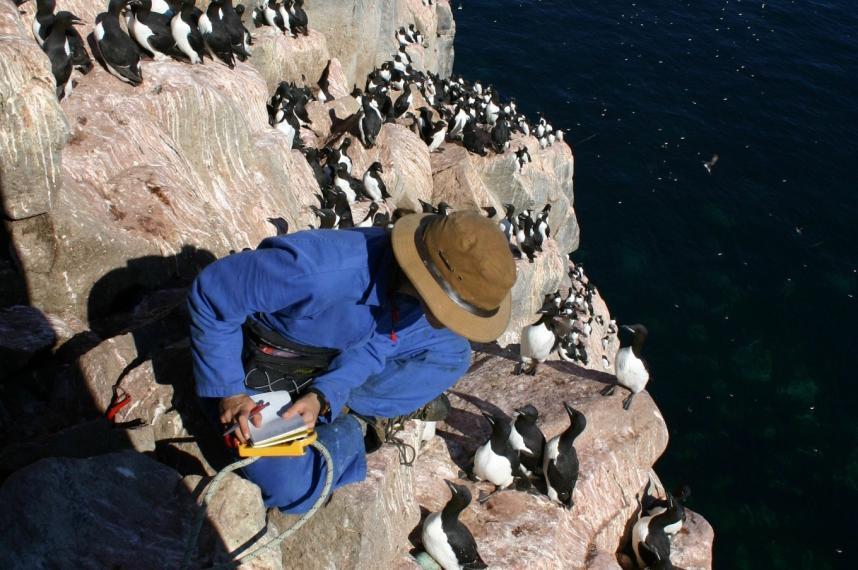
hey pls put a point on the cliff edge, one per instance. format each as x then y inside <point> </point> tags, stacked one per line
<point>115,198</point>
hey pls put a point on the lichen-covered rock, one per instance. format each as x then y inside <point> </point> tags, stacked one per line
<point>279,57</point>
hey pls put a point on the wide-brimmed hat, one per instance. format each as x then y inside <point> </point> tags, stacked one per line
<point>462,267</point>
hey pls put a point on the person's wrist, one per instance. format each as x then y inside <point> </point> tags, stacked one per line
<point>324,407</point>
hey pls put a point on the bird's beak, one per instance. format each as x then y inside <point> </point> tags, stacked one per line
<point>76,21</point>
<point>380,168</point>
<point>489,417</point>
<point>452,487</point>
<point>569,409</point>
<point>628,328</point>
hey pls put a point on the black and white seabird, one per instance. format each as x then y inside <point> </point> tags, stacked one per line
<point>298,21</point>
<point>340,155</point>
<point>280,224</point>
<point>373,184</point>
<point>57,48</point>
<point>537,342</point>
<point>42,23</point>
<point>500,134</point>
<point>496,460</point>
<point>118,52</point>
<point>446,539</point>
<point>151,30</point>
<point>650,541</point>
<point>526,438</point>
<point>403,102</point>
<point>370,122</point>
<point>651,505</point>
<point>186,34</point>
<point>215,33</point>
<point>710,164</point>
<point>239,37</point>
<point>560,462</point>
<point>436,137</point>
<point>369,219</point>
<point>272,16</point>
<point>629,365</point>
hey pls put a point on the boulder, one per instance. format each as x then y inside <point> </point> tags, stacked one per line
<point>691,548</point>
<point>116,510</point>
<point>34,127</point>
<point>366,525</point>
<point>235,522</point>
<point>378,21</point>
<point>161,393</point>
<point>279,57</point>
<point>463,179</point>
<point>616,452</point>
<point>25,332</point>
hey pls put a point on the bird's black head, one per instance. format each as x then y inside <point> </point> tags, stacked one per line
<point>632,335</point>
<point>509,208</point>
<point>346,144</point>
<point>66,20</point>
<point>376,167</point>
<point>528,411</point>
<point>460,498</point>
<point>373,208</point>
<point>577,421</point>
<point>239,9</point>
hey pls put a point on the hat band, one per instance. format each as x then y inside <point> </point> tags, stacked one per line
<point>423,252</point>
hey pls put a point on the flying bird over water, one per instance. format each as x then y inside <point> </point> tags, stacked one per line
<point>710,164</point>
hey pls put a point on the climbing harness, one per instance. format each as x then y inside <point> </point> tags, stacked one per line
<point>251,454</point>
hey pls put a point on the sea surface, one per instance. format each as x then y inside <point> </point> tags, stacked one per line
<point>746,278</point>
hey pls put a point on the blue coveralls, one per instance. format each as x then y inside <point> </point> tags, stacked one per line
<point>330,289</point>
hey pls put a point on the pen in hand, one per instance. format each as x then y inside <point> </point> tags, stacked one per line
<point>260,405</point>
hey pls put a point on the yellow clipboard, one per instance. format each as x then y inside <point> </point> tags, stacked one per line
<point>294,448</point>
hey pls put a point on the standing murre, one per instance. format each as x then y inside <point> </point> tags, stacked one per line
<point>496,460</point>
<point>117,51</point>
<point>186,34</point>
<point>537,342</point>
<point>560,462</point>
<point>370,122</point>
<point>439,129</point>
<point>373,184</point>
<point>446,539</point>
<point>215,33</point>
<point>57,48</point>
<point>629,366</point>
<point>650,541</point>
<point>526,438</point>
<point>151,30</point>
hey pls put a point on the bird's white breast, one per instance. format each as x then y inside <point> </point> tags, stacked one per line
<point>631,371</point>
<point>205,24</point>
<point>99,31</point>
<point>639,533</point>
<point>492,467</point>
<point>436,544</point>
<point>516,441</point>
<point>537,342</point>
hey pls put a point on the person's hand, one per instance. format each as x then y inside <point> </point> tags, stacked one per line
<point>308,407</point>
<point>236,409</point>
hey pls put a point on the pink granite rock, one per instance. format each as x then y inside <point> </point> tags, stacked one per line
<point>616,452</point>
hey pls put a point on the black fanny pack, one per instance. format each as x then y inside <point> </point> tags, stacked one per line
<point>272,362</point>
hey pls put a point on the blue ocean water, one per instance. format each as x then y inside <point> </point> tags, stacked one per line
<point>747,278</point>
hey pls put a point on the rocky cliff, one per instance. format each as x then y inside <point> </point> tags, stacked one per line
<point>115,198</point>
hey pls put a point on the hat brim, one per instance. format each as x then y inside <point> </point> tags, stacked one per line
<point>447,311</point>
